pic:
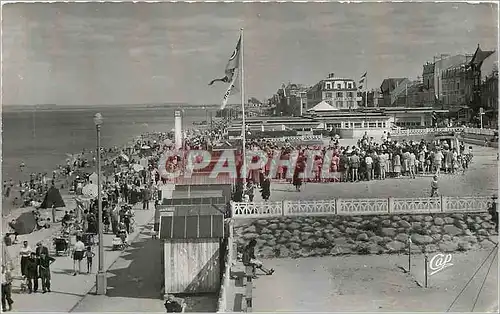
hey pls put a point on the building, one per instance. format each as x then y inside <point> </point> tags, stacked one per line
<point>489,90</point>
<point>288,100</point>
<point>340,93</point>
<point>449,79</point>
<point>349,124</point>
<point>387,88</point>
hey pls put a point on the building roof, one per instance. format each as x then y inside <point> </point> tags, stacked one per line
<point>389,84</point>
<point>323,106</point>
<point>191,227</point>
<point>480,56</point>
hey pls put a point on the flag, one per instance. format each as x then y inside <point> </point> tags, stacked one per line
<point>231,72</point>
<point>228,91</point>
<point>231,66</point>
<point>362,79</point>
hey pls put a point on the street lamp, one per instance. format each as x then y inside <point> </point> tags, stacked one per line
<point>101,274</point>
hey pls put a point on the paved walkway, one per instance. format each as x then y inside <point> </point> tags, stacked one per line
<point>68,290</point>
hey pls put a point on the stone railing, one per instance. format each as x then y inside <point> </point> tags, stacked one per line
<point>362,206</point>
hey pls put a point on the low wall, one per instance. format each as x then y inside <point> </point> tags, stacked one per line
<point>361,206</point>
<point>381,234</point>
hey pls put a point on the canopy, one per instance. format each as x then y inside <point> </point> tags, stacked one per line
<point>323,106</point>
<point>25,223</point>
<point>90,190</point>
<point>137,167</point>
<point>53,198</point>
<point>93,178</point>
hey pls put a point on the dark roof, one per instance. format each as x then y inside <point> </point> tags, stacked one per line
<point>480,56</point>
<point>389,84</point>
<point>191,227</point>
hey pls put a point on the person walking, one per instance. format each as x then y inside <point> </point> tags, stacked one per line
<point>78,253</point>
<point>32,273</point>
<point>25,253</point>
<point>6,289</point>
<point>266,188</point>
<point>44,262</point>
<point>89,255</point>
<point>146,197</point>
<point>434,186</point>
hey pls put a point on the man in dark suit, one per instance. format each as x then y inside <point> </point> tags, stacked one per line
<point>32,273</point>
<point>40,248</point>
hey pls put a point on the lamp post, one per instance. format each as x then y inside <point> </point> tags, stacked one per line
<point>101,274</point>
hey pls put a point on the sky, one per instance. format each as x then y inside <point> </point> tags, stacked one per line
<point>128,53</point>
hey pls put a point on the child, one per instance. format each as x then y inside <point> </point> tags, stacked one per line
<point>89,254</point>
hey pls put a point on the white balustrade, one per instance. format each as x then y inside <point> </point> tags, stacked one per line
<point>455,204</point>
<point>306,208</point>
<point>260,209</point>
<point>416,205</point>
<point>361,206</point>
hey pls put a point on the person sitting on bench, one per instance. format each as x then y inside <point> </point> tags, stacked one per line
<point>249,259</point>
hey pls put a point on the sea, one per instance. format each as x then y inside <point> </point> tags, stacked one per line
<point>42,137</point>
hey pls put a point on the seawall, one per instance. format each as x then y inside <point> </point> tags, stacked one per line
<point>380,234</point>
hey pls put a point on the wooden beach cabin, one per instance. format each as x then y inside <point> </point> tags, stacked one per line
<point>192,246</point>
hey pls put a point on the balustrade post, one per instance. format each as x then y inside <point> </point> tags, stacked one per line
<point>443,204</point>
<point>284,208</point>
<point>390,205</point>
<point>337,205</point>
<point>232,208</point>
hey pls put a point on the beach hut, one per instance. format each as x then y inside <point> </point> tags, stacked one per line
<point>192,247</point>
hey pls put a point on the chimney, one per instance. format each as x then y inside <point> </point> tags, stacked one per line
<point>331,75</point>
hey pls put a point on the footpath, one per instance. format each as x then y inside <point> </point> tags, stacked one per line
<point>69,290</point>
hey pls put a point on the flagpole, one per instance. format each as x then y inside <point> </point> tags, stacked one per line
<point>244,129</point>
<point>366,90</point>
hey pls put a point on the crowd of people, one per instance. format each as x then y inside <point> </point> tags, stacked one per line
<point>367,160</point>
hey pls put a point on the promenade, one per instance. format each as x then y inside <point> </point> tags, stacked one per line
<point>68,290</point>
<point>480,179</point>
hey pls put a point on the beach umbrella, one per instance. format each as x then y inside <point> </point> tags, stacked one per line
<point>167,142</point>
<point>145,147</point>
<point>137,167</point>
<point>90,190</point>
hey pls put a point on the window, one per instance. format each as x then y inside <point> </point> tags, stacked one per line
<point>328,85</point>
<point>357,124</point>
<point>340,94</point>
<point>372,124</point>
<point>349,85</point>
<point>379,124</point>
<point>349,94</point>
<point>339,86</point>
<point>340,104</point>
<point>328,95</point>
